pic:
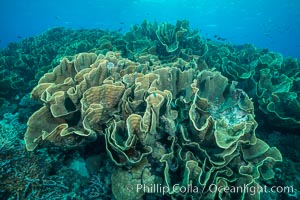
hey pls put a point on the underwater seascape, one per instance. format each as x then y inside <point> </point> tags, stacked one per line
<point>150,99</point>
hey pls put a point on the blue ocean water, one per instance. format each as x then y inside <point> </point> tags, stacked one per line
<point>272,24</point>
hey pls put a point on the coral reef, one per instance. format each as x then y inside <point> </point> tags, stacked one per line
<point>165,41</point>
<point>46,173</point>
<point>22,64</point>
<point>267,77</point>
<point>156,106</point>
<point>187,125</point>
<point>10,127</point>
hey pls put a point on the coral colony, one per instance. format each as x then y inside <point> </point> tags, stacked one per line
<point>172,112</point>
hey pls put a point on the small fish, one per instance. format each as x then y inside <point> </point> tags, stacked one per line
<point>154,94</point>
<point>20,37</point>
<point>120,29</point>
<point>219,38</point>
<point>222,39</point>
<point>121,22</point>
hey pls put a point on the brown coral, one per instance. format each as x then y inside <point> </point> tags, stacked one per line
<point>187,125</point>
